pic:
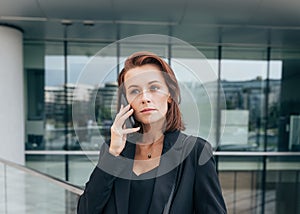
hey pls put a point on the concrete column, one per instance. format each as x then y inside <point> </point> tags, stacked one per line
<point>12,113</point>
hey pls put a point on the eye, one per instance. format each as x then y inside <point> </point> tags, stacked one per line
<point>154,88</point>
<point>134,91</point>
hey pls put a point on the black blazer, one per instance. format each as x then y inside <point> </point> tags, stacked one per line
<point>197,190</point>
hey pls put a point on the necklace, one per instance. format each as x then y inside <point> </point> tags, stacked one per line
<point>160,140</point>
<point>153,150</point>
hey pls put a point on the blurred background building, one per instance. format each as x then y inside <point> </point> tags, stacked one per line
<point>252,46</point>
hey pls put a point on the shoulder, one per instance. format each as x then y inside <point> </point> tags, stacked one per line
<point>202,149</point>
<point>187,142</point>
<point>199,142</point>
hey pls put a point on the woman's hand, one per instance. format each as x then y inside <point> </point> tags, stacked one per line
<point>119,132</point>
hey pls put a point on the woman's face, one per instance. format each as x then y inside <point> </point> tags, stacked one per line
<point>147,93</point>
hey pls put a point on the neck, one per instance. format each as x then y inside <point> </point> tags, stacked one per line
<point>151,138</point>
<point>150,149</point>
<point>152,132</point>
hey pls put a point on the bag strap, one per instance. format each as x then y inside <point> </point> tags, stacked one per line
<point>176,180</point>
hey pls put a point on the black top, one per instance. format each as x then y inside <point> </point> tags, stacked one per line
<point>141,191</point>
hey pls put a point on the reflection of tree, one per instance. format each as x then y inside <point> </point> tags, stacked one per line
<point>273,116</point>
<point>104,120</point>
<point>230,104</point>
<point>104,114</point>
<point>105,103</point>
<point>234,100</point>
<point>81,120</point>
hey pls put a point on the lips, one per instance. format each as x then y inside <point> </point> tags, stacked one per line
<point>145,110</point>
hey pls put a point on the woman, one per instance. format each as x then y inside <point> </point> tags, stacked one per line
<point>169,172</point>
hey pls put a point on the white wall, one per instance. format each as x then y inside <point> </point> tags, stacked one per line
<point>11,95</point>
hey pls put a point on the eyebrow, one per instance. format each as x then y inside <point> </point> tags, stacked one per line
<point>149,83</point>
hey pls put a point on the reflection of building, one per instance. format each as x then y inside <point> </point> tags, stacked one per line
<point>242,94</point>
<point>251,95</point>
<point>55,99</point>
<point>104,99</point>
<point>239,96</point>
<point>54,103</point>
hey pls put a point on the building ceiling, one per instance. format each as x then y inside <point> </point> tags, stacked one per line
<point>248,22</point>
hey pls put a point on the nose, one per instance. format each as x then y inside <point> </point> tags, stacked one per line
<point>145,97</point>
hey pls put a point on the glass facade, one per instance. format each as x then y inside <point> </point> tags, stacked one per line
<point>257,112</point>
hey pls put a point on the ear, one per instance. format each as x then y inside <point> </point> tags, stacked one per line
<point>169,99</point>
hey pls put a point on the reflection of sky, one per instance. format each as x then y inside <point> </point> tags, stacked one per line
<point>191,70</point>
<point>78,67</point>
<point>241,70</point>
<point>187,70</point>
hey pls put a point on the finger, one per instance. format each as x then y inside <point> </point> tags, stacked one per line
<point>122,111</point>
<point>121,119</point>
<point>131,130</point>
<point>124,108</point>
<point>123,132</point>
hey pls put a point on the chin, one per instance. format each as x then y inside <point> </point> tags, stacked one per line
<point>154,123</point>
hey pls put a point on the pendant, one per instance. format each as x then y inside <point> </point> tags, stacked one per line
<point>149,155</point>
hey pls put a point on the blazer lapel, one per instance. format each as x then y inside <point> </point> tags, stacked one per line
<point>166,173</point>
<point>122,186</point>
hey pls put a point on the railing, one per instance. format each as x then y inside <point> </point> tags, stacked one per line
<point>24,190</point>
<point>216,153</point>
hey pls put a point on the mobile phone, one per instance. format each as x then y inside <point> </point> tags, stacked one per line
<point>130,122</point>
